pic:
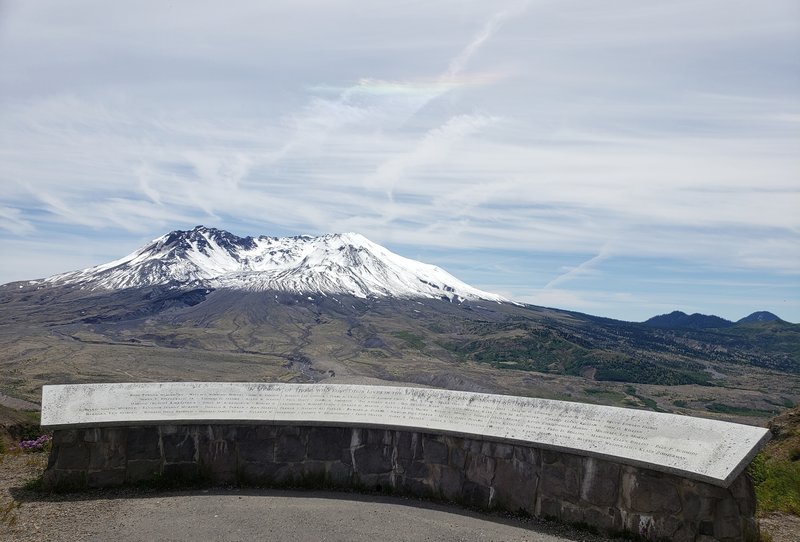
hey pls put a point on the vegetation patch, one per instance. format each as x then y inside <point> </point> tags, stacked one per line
<point>612,396</point>
<point>739,411</point>
<point>776,470</point>
<point>777,484</point>
<point>411,339</point>
<point>8,513</point>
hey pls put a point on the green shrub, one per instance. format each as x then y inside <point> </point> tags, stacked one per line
<point>777,485</point>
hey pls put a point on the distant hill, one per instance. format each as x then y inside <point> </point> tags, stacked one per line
<point>758,317</point>
<point>681,320</point>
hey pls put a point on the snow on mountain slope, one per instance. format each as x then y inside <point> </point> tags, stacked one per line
<point>345,263</point>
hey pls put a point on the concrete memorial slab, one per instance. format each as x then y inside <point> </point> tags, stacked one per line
<point>700,449</point>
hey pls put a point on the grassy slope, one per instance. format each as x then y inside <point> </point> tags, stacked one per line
<point>776,470</point>
<point>16,425</point>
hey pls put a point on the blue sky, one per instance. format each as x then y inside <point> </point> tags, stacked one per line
<point>621,158</point>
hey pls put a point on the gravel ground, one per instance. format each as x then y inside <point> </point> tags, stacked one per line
<point>125,515</point>
<point>782,527</point>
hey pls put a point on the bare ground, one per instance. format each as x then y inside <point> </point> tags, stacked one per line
<point>781,527</point>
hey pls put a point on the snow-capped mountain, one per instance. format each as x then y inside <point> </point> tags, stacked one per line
<point>346,263</point>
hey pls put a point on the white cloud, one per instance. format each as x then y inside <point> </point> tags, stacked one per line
<point>581,269</point>
<point>12,221</point>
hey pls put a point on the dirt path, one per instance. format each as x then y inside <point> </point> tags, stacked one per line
<point>18,404</point>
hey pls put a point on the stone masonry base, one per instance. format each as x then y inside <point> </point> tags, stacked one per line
<point>608,496</point>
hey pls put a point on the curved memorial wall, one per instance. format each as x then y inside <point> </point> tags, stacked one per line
<point>658,475</point>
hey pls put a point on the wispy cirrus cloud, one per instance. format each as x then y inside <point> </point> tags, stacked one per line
<point>12,221</point>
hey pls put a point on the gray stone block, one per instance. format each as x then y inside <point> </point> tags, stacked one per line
<point>73,457</point>
<point>515,484</point>
<point>339,473</point>
<point>418,469</point>
<point>649,492</point>
<point>142,443</point>
<point>472,446</point>
<point>181,472</point>
<point>114,434</point>
<point>750,530</point>
<point>376,482</point>
<point>218,460</point>
<point>91,434</point>
<point>327,443</point>
<point>409,445</point>
<point>169,429</point>
<point>458,457</point>
<point>377,437</point>
<point>572,513</point>
<point>549,457</point>
<point>107,455</point>
<point>527,454</point>
<point>66,480</point>
<point>686,533</point>
<point>246,433</point>
<point>106,478</point>
<point>179,446</point>
<point>372,460</point>
<point>421,487</point>
<point>560,479</point>
<point>449,482</point>
<point>65,436</point>
<point>434,451</point>
<point>548,507</point>
<point>475,494</point>
<point>289,449</point>
<point>259,473</point>
<point>606,519</point>
<point>727,522</point>
<point>142,470</point>
<point>288,430</point>
<point>497,450</point>
<point>600,482</point>
<point>266,432</point>
<point>742,490</point>
<point>257,451</point>
<point>480,469</point>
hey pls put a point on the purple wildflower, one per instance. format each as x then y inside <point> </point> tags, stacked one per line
<point>36,444</point>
